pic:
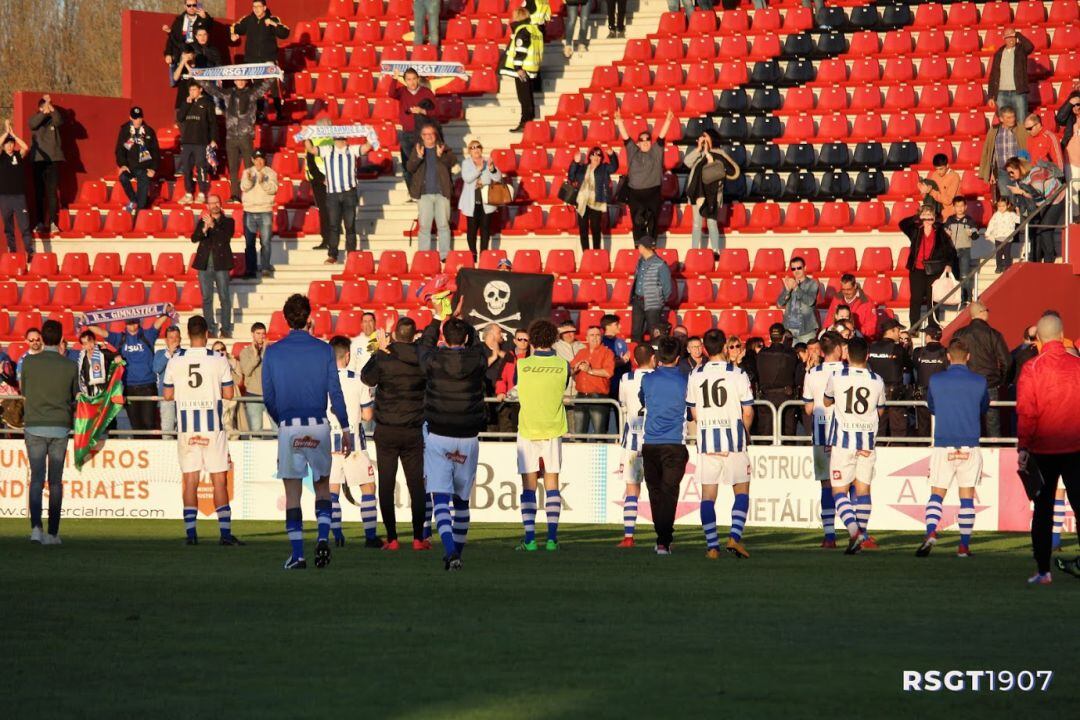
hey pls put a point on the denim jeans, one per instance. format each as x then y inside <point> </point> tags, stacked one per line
<point>434,207</point>
<point>142,186</point>
<point>46,457</point>
<point>167,409</point>
<point>254,413</point>
<point>714,231</point>
<point>1016,100</point>
<point>964,260</point>
<point>259,225</point>
<point>429,8</point>
<point>687,5</point>
<point>579,15</point>
<point>590,413</point>
<point>208,279</point>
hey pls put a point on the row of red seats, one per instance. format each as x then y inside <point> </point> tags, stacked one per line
<point>106,266</point>
<point>363,57</point>
<point>70,295</point>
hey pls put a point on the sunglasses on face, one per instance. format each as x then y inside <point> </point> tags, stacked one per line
<point>796,268</point>
<point>644,138</point>
<point>521,339</point>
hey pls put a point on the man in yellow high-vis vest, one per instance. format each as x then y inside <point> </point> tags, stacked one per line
<point>522,61</point>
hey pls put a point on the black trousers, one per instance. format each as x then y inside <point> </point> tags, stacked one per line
<point>616,14</point>
<point>46,189</point>
<point>237,149</point>
<point>642,320</point>
<point>763,416</point>
<point>481,221</point>
<point>340,208</point>
<point>992,422</point>
<point>318,189</point>
<point>922,291</point>
<point>407,445</point>
<point>894,422</point>
<point>525,98</point>
<point>645,210</point>
<point>589,223</point>
<point>13,212</point>
<point>922,422</point>
<point>141,194</point>
<point>142,414</point>
<point>1067,467</point>
<point>1042,245</point>
<point>193,167</point>
<point>664,466</point>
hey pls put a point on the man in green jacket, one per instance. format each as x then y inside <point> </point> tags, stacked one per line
<point>50,383</point>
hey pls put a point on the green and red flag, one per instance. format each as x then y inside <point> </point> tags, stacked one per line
<point>94,413</point>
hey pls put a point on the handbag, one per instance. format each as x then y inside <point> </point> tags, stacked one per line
<point>944,284</point>
<point>622,191</point>
<point>713,172</point>
<point>568,192</point>
<point>496,193</point>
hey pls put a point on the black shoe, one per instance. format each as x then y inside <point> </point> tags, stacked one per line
<point>1071,567</point>
<point>520,128</point>
<point>247,276</point>
<point>854,545</point>
<point>191,541</point>
<point>321,246</point>
<point>230,540</point>
<point>226,334</point>
<point>375,542</point>
<point>612,33</point>
<point>322,554</point>
<point>339,541</point>
<point>452,562</point>
<point>927,546</point>
<point>296,564</point>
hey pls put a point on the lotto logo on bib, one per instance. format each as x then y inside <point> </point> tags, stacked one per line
<point>305,441</point>
<point>205,490</point>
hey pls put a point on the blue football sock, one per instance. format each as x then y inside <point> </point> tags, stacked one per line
<point>428,509</point>
<point>224,518</point>
<point>552,510</point>
<point>828,513</point>
<point>862,512</point>
<point>294,526</point>
<point>966,520</point>
<point>461,522</point>
<point>933,512</point>
<point>1059,521</point>
<point>369,516</point>
<point>335,515</point>
<point>443,523</point>
<point>629,514</point>
<point>190,514</point>
<point>323,510</point>
<point>708,523</point>
<point>739,508</point>
<point>528,514</point>
<point>846,513</point>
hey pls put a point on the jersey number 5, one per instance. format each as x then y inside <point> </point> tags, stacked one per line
<point>194,377</point>
<point>858,400</point>
<point>714,395</point>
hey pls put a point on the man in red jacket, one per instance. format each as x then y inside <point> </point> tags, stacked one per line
<point>863,311</point>
<point>1048,435</point>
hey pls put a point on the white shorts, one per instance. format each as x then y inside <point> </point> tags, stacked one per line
<point>203,452</point>
<point>960,465</point>
<point>531,452</point>
<point>450,464</point>
<point>846,466</point>
<point>301,447</point>
<point>821,462</point>
<point>630,467</point>
<point>723,468</point>
<point>353,470</point>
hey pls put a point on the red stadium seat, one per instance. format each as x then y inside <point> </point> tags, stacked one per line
<point>354,294</point>
<point>1030,13</point>
<point>163,291</point>
<point>190,296</point>
<point>560,262</point>
<point>835,215</point>
<point>732,292</point>
<point>768,262</point>
<point>562,292</point>
<point>763,319</point>
<point>389,292</point>
<point>766,292</point>
<point>868,97</point>
<point>699,291</point>
<point>25,320</point>
<point>734,322</point>
<point>930,15</point>
<point>358,264</point>
<point>699,261</point>
<point>457,259</point>
<point>800,216</point>
<point>138,266</point>
<point>697,322</point>
<point>92,193</point>
<point>106,266</point>
<point>878,289</point>
<point>811,257</point>
<point>322,293</point>
<point>594,263</point>
<point>765,216</point>
<point>671,23</point>
<point>130,292</point>
<point>74,265</point>
<point>169,266</point>
<point>392,264</point>
<point>425,263</point>
<point>840,260</point>
<point>876,260</point>
<point>733,262</point>
<point>592,291</point>
<point>489,259</point>
<point>527,261</point>
<point>869,215</point>
<point>43,265</point>
<point>35,295</point>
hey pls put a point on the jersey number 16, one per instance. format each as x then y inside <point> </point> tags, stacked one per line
<point>714,395</point>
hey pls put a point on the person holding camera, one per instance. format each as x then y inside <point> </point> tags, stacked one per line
<point>709,169</point>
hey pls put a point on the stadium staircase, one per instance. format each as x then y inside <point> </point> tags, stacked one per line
<point>833,119</point>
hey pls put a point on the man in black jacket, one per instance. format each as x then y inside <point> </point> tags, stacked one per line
<point>394,372</point>
<point>927,361</point>
<point>183,29</point>
<point>240,104</point>
<point>931,251</point>
<point>780,374</point>
<point>990,357</point>
<point>214,261</point>
<point>137,156</point>
<point>262,30</point>
<point>889,359</point>
<point>454,411</point>
<point>198,130</point>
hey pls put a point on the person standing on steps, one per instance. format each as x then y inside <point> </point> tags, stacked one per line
<point>1008,80</point>
<point>645,173</point>
<point>315,174</point>
<point>523,57</point>
<point>477,173</point>
<point>339,166</point>
<point>577,14</point>
<point>262,31</point>
<point>931,252</point>
<point>616,19</point>
<point>651,290</point>
<point>240,103</point>
<point>592,176</point>
<point>137,157</point>
<point>46,154</point>
<point>13,210</point>
<point>432,186</point>
<point>411,94</point>
<point>258,187</point>
<point>709,169</point>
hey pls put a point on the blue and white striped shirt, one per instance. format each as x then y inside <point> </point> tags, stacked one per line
<point>340,167</point>
<point>858,394</point>
<point>197,378</point>
<point>814,392</point>
<point>633,420</point>
<point>717,392</point>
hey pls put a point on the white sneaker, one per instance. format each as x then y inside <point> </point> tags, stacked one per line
<point>186,200</point>
<point>200,198</point>
<point>36,535</point>
<point>51,540</point>
<point>567,51</point>
<point>54,229</point>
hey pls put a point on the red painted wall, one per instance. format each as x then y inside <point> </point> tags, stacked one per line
<point>289,11</point>
<point>1022,294</point>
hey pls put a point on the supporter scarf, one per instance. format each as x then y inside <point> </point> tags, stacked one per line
<point>426,69</point>
<point>248,71</point>
<point>138,312</point>
<point>94,413</point>
<point>315,132</point>
<point>97,374</point>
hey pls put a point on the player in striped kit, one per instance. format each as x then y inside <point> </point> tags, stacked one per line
<point>633,430</point>
<point>832,351</point>
<point>198,381</point>
<point>356,468</point>
<point>857,397</point>
<point>719,397</point>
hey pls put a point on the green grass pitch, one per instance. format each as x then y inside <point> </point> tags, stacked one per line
<point>124,621</point>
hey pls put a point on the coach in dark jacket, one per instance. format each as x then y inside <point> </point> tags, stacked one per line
<point>394,372</point>
<point>214,261</point>
<point>990,357</point>
<point>137,156</point>
<point>454,401</point>
<point>182,32</point>
<point>931,252</point>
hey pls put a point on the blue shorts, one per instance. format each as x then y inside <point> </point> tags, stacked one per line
<point>450,464</point>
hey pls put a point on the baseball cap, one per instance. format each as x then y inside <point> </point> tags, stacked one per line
<point>136,112</point>
<point>258,154</point>
<point>933,331</point>
<point>888,324</point>
<point>505,263</point>
<point>646,241</point>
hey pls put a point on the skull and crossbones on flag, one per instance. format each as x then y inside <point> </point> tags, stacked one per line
<point>509,300</point>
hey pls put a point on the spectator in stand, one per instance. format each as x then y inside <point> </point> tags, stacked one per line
<point>990,357</point>
<point>477,173</point>
<point>1070,138</point>
<point>13,210</point>
<point>566,347</point>
<point>138,157</point>
<point>962,231</point>
<point>432,187</point>
<point>931,252</point>
<point>615,342</point>
<point>694,357</point>
<point>315,174</point>
<point>1043,145</point>
<point>259,186</point>
<point>167,408</point>
<point>182,32</point>
<point>1003,141</point>
<point>249,365</point>
<point>426,16</point>
<point>506,385</point>
<point>939,188</point>
<point>1048,437</point>
<point>262,31</point>
<point>228,407</point>
<point>799,300</point>
<point>539,13</point>
<point>1002,224</point>
<point>135,344</point>
<point>182,82</point>
<point>198,131</point>
<point>214,261</point>
<point>686,5</point>
<point>616,19</point>
<point>524,54</point>
<point>50,384</point>
<point>34,346</point>
<point>240,103</point>
<point>411,94</point>
<point>592,176</point>
<point>577,14</point>
<point>645,173</point>
<point>366,343</point>
<point>206,55</point>
<point>593,368</point>
<point>1008,86</point>
<point>339,165</point>
<point>652,288</point>
<point>94,362</point>
<point>1031,186</point>
<point>46,153</point>
<point>862,313</point>
<point>709,169</point>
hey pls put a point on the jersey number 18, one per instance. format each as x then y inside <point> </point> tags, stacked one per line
<point>858,400</point>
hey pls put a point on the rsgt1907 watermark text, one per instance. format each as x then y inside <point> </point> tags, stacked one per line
<point>976,680</point>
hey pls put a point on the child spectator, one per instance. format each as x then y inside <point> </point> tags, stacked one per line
<point>962,230</point>
<point>1001,225</point>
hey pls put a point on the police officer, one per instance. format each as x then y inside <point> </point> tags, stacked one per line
<point>779,374</point>
<point>523,56</point>
<point>889,359</point>
<point>928,360</point>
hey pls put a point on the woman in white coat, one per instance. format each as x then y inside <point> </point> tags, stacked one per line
<point>477,173</point>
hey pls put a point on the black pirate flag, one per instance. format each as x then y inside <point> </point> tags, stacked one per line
<point>507,299</point>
